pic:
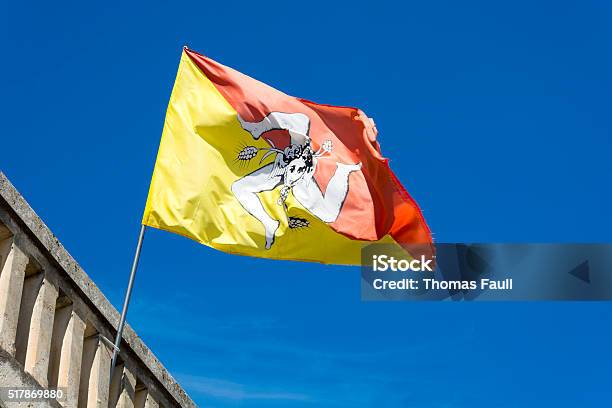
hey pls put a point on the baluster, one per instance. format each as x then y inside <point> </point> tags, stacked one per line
<point>12,275</point>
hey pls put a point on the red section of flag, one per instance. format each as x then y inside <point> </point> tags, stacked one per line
<point>376,204</point>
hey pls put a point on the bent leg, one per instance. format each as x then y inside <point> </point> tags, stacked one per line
<point>297,124</point>
<point>246,189</point>
<point>326,207</point>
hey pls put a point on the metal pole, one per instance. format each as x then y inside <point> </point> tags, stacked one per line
<point>126,302</point>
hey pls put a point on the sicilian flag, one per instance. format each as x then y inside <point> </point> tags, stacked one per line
<point>247,169</point>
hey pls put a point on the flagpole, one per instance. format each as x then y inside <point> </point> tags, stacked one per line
<point>126,302</point>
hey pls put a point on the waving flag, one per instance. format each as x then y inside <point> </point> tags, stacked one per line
<point>247,169</point>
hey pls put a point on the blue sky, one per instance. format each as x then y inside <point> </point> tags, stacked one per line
<point>496,116</point>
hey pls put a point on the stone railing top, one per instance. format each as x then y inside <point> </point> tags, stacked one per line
<point>41,233</point>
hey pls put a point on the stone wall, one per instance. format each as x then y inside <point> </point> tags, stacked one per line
<point>55,325</point>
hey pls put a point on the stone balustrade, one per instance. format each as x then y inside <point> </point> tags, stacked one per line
<point>55,325</point>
